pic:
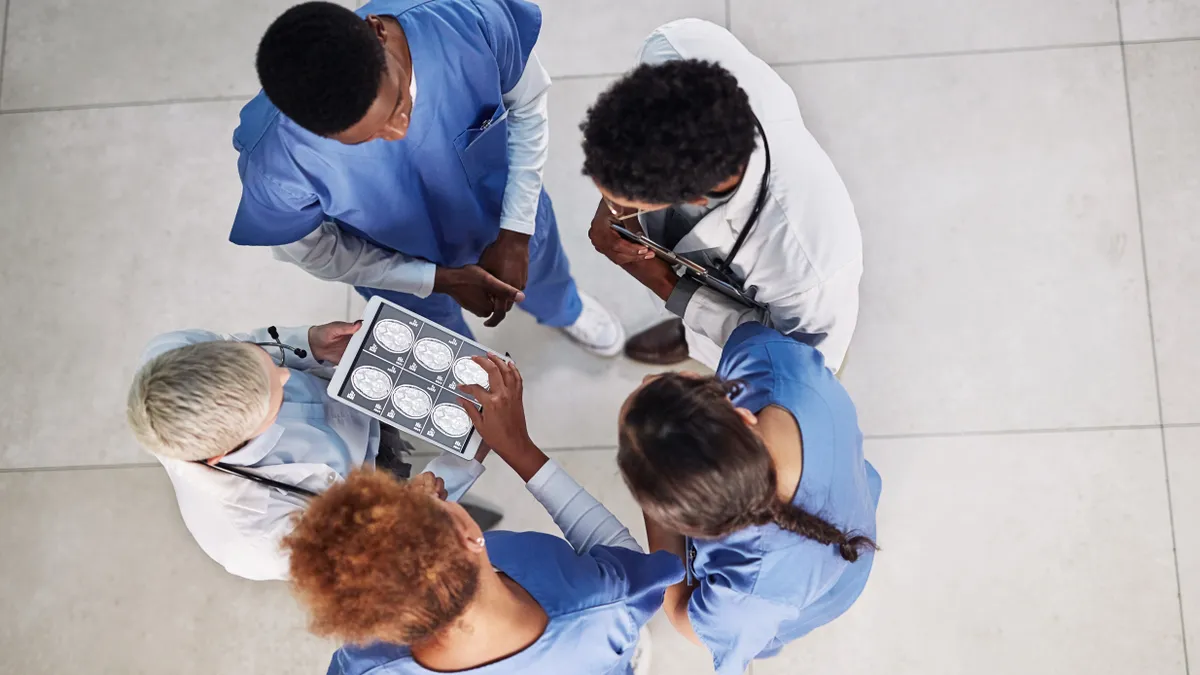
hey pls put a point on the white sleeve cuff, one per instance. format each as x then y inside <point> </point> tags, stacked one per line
<point>417,275</point>
<point>518,225</point>
<point>457,473</point>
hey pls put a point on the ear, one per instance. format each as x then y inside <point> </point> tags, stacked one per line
<point>748,417</point>
<point>470,536</point>
<point>379,27</point>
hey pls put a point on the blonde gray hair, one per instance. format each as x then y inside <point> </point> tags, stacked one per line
<point>199,401</point>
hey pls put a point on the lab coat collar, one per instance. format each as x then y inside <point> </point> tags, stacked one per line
<point>256,449</point>
<point>719,229</point>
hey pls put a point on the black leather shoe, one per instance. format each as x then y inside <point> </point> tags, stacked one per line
<point>661,345</point>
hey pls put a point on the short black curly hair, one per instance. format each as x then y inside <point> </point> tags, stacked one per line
<point>321,65</point>
<point>668,133</point>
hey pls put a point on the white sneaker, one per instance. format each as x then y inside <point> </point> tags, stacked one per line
<point>640,664</point>
<point>597,329</point>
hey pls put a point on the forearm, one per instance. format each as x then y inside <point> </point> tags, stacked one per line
<point>583,520</point>
<point>655,275</point>
<point>528,147</point>
<point>677,596</point>
<point>332,254</point>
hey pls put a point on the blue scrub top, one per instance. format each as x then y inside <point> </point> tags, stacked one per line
<point>762,587</point>
<point>437,194</point>
<point>597,602</point>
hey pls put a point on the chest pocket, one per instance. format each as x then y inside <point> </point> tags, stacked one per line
<point>483,151</point>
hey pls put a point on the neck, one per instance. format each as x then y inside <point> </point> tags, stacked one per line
<point>781,435</point>
<point>397,44</point>
<point>729,184</point>
<point>502,620</point>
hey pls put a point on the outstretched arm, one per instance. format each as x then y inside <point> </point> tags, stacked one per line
<point>584,521</point>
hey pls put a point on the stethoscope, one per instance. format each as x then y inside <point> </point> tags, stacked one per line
<point>725,267</point>
<point>283,348</point>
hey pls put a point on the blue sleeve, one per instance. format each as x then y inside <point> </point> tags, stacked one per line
<point>270,215</point>
<point>736,627</point>
<point>637,579</point>
<point>511,28</point>
<point>549,568</point>
<point>747,335</point>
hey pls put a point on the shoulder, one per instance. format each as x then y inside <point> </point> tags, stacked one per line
<point>161,344</point>
<point>755,348</point>
<point>564,581</point>
<point>267,143</point>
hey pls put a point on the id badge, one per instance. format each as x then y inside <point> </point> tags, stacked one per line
<point>689,565</point>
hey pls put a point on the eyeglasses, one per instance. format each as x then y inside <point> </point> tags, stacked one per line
<point>618,211</point>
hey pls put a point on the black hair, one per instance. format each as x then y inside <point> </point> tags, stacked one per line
<point>694,465</point>
<point>668,133</point>
<point>321,65</point>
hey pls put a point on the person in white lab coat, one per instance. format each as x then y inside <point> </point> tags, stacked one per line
<point>256,403</point>
<point>681,146</point>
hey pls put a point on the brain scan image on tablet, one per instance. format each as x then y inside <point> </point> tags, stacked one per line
<point>433,354</point>
<point>393,336</point>
<point>451,420</point>
<point>411,401</point>
<point>371,382</point>
<point>408,373</point>
<point>469,372</point>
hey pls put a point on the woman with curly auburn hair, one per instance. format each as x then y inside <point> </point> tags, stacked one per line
<point>413,585</point>
<point>756,476</point>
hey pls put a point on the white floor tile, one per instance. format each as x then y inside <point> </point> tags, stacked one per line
<point>73,52</point>
<point>1183,459</point>
<point>1164,90</point>
<point>1004,285</point>
<point>117,230</point>
<point>801,30</point>
<point>1160,19</point>
<point>99,575</point>
<point>589,37</point>
<point>1035,554</point>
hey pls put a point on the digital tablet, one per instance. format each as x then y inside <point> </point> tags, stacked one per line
<point>405,371</point>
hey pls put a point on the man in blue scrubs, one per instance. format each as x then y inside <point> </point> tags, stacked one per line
<point>401,149</point>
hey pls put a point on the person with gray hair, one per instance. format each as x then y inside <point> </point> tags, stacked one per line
<point>246,432</point>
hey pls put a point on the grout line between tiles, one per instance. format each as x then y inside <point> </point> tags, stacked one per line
<point>598,76</point>
<point>728,17</point>
<point>80,467</point>
<point>3,45</point>
<point>1162,432</point>
<point>612,446</point>
<point>1008,432</point>
<point>130,104</point>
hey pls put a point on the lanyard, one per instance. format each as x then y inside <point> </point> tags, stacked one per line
<point>261,480</point>
<point>760,201</point>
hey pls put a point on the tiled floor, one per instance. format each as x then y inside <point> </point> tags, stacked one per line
<point>1027,173</point>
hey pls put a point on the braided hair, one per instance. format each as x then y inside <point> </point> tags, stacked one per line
<point>694,465</point>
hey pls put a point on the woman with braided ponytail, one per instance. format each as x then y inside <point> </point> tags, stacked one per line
<point>755,477</point>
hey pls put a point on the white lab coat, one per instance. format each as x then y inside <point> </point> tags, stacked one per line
<point>239,523</point>
<point>803,258</point>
